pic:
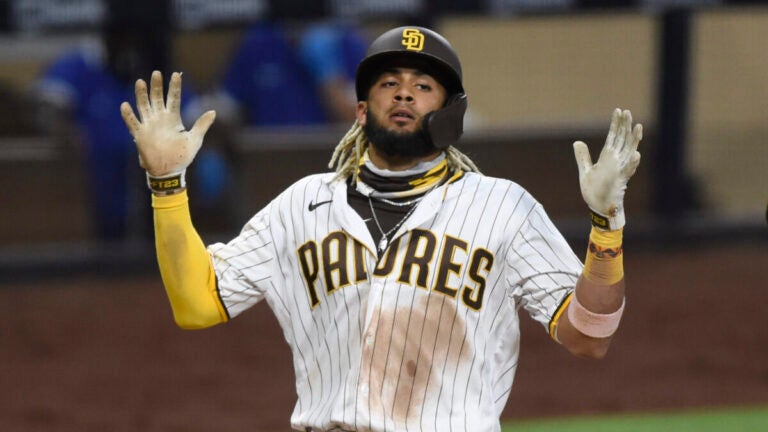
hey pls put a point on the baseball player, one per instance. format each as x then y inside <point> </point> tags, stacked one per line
<point>398,277</point>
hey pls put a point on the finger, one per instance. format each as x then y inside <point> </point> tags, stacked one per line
<point>202,124</point>
<point>637,136</point>
<point>627,129</point>
<point>583,159</point>
<point>609,140</point>
<point>142,100</point>
<point>131,122</point>
<point>156,91</point>
<point>631,167</point>
<point>174,93</point>
<point>621,132</point>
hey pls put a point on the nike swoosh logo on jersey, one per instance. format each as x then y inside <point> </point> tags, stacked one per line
<point>313,206</point>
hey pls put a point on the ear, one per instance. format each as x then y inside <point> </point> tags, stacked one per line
<point>362,110</point>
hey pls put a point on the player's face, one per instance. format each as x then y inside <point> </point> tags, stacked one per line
<point>400,98</point>
<point>393,115</point>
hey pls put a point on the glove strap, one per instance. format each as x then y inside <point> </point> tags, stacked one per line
<point>607,223</point>
<point>168,184</point>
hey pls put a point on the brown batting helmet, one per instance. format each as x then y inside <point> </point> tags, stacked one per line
<point>428,51</point>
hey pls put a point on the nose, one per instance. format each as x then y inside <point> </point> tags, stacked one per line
<point>403,95</point>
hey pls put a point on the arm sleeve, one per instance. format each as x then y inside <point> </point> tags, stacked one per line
<point>185,265</point>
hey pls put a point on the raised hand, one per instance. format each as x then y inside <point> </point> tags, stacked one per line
<point>603,184</point>
<point>165,147</point>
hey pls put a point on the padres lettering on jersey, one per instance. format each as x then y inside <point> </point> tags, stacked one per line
<point>339,259</point>
<point>425,338</point>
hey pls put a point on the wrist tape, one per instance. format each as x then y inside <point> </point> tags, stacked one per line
<point>168,184</point>
<point>604,263</point>
<point>593,324</point>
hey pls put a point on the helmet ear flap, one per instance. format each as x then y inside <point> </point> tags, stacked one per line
<point>444,127</point>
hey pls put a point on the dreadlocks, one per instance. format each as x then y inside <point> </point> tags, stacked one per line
<point>349,151</point>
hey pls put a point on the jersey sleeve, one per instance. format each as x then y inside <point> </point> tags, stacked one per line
<point>542,267</point>
<point>245,266</point>
<point>261,262</point>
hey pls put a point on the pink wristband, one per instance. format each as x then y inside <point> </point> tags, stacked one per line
<point>593,324</point>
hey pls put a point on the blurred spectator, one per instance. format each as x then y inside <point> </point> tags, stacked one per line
<point>282,76</point>
<point>80,95</point>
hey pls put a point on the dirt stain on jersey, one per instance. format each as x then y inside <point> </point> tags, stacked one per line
<point>411,364</point>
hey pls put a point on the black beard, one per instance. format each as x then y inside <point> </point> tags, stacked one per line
<point>403,144</point>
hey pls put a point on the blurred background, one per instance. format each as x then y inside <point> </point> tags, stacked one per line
<point>539,75</point>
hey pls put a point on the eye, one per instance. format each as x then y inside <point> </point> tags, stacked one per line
<point>424,87</point>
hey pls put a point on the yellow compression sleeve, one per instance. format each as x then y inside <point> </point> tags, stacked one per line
<point>604,263</point>
<point>185,265</point>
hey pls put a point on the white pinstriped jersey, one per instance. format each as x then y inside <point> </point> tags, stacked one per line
<point>426,338</point>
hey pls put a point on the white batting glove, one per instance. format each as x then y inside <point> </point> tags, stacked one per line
<point>603,184</point>
<point>165,147</point>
